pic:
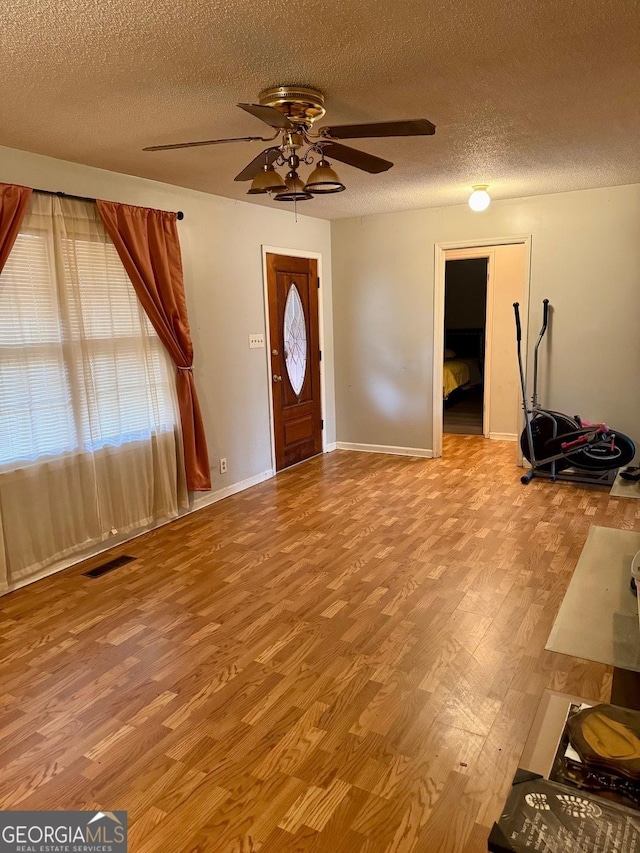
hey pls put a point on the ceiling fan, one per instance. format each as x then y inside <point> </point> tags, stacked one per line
<point>291,111</point>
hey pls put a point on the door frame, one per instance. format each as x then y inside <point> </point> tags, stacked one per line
<point>458,250</point>
<point>292,253</point>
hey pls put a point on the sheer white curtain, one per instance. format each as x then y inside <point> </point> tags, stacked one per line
<point>90,442</point>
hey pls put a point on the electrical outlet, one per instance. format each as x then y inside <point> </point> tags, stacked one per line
<point>256,341</point>
<point>223,465</point>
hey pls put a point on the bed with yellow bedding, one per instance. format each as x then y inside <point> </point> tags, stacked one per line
<point>460,373</point>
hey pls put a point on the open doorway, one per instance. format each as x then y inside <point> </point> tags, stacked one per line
<point>507,261</point>
<point>465,318</point>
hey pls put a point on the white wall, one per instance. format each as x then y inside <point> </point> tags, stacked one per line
<point>221,243</point>
<point>585,259</point>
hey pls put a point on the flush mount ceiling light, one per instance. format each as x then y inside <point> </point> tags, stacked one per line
<point>479,199</point>
<point>291,112</point>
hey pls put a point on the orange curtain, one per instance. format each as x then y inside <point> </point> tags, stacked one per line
<point>13,204</point>
<point>148,245</point>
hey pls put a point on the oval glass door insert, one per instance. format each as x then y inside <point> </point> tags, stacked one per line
<point>295,339</point>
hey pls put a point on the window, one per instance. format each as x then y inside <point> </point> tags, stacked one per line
<point>89,426</point>
<point>295,339</point>
<point>81,367</point>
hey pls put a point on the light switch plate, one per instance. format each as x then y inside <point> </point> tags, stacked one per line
<point>256,341</point>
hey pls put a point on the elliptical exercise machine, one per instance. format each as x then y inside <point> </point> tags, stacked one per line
<point>565,447</point>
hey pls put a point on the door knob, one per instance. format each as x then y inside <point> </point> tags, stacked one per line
<point>274,352</point>
<point>277,378</point>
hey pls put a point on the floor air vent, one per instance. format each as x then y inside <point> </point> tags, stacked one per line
<point>109,567</point>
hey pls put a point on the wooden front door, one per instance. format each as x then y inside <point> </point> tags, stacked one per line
<point>292,286</point>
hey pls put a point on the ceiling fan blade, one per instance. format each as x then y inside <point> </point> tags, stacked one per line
<point>269,115</point>
<point>268,156</point>
<point>410,127</point>
<point>354,157</point>
<point>206,142</point>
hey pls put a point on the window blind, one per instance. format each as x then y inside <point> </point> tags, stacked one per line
<point>80,365</point>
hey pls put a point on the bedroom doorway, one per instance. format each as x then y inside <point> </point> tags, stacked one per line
<point>508,262</point>
<point>465,318</point>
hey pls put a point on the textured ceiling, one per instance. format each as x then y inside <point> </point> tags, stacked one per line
<point>536,97</point>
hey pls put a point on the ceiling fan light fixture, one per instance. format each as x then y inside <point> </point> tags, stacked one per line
<point>290,111</point>
<point>295,189</point>
<point>479,199</point>
<point>324,179</point>
<point>267,181</point>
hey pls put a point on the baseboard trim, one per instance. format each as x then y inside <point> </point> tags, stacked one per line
<point>384,448</point>
<point>91,552</point>
<point>213,497</point>
<point>503,436</point>
<point>198,503</point>
<point>332,446</point>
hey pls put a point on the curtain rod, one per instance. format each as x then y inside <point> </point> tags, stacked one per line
<point>179,214</point>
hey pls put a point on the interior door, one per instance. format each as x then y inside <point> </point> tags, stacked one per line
<point>292,286</point>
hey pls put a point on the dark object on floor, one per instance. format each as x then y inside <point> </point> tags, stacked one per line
<point>554,442</point>
<point>109,567</point>
<point>631,473</point>
<point>545,816</point>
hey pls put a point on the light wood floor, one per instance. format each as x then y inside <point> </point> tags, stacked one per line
<point>345,659</point>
